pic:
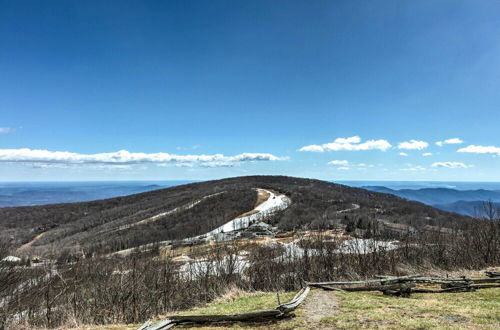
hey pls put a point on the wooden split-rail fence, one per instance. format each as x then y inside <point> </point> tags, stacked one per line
<point>406,285</point>
<point>402,286</point>
<point>280,311</point>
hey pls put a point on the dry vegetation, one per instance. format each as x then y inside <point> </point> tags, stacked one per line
<point>89,228</point>
<point>97,288</point>
<point>469,310</point>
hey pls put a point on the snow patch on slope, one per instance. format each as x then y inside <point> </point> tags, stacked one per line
<point>159,216</point>
<point>273,204</point>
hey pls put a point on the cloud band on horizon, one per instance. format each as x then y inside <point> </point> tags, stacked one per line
<point>124,157</point>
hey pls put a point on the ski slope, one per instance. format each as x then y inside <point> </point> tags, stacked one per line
<point>273,204</point>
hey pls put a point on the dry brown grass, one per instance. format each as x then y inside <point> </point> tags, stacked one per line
<point>233,293</point>
<point>262,196</point>
<point>468,310</point>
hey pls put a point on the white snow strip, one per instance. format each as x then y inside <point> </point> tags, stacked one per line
<point>159,216</point>
<point>179,208</point>
<point>234,263</point>
<point>365,246</point>
<point>273,204</point>
<point>349,246</point>
<point>354,207</point>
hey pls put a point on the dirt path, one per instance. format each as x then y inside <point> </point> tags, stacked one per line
<point>318,305</point>
<point>354,207</point>
<point>30,243</point>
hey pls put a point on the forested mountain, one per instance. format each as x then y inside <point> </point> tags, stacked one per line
<point>184,211</point>
<point>131,258</point>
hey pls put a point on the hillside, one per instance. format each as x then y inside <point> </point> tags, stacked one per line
<point>194,209</point>
<point>127,259</point>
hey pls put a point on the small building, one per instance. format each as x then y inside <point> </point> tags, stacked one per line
<point>259,229</point>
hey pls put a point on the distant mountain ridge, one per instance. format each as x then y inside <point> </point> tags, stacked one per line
<point>466,202</point>
<point>471,208</point>
<point>29,194</point>
<point>190,210</point>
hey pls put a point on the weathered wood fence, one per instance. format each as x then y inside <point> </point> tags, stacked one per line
<point>406,285</point>
<point>402,286</point>
<point>280,311</point>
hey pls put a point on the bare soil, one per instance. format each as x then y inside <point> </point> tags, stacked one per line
<point>30,243</point>
<point>318,305</point>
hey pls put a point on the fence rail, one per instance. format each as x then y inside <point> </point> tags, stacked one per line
<point>406,285</point>
<point>280,311</point>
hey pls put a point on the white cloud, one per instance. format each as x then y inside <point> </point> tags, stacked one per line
<point>352,143</point>
<point>312,148</point>
<point>6,130</point>
<point>124,157</point>
<point>453,141</point>
<point>450,165</point>
<point>427,154</point>
<point>414,168</point>
<point>339,162</point>
<point>481,150</point>
<point>217,164</point>
<point>111,167</point>
<point>177,165</point>
<point>352,139</point>
<point>449,141</point>
<point>413,145</point>
<point>44,165</point>
<point>251,157</point>
<point>404,154</point>
<point>87,166</point>
<point>344,165</point>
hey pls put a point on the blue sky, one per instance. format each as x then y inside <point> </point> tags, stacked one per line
<point>211,89</point>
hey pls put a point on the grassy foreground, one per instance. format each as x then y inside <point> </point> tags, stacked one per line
<point>468,310</point>
<point>236,302</point>
<point>363,310</point>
